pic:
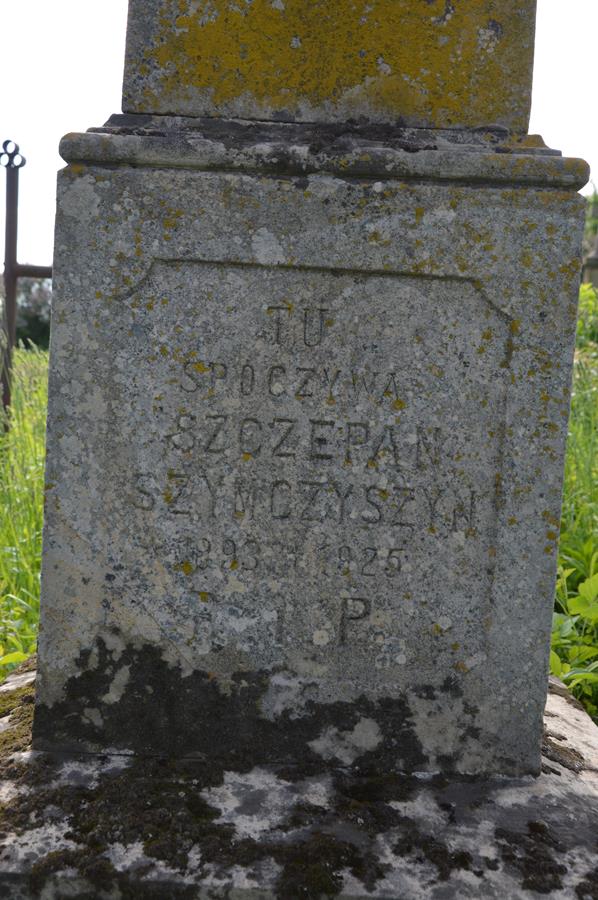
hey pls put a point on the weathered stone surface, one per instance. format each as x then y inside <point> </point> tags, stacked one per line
<point>117,826</point>
<point>305,446</point>
<point>411,62</point>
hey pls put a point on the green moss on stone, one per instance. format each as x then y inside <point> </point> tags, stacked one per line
<point>18,705</point>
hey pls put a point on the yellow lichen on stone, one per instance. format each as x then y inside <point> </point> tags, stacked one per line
<point>429,63</point>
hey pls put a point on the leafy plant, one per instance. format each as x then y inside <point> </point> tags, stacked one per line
<point>574,653</point>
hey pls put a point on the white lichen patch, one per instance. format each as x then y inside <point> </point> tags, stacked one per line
<point>233,586</point>
<point>347,746</point>
<point>488,39</point>
<point>26,756</point>
<point>93,716</point>
<point>132,857</point>
<point>286,693</point>
<point>18,852</point>
<point>114,644</point>
<point>267,248</point>
<point>127,858</point>
<point>437,725</point>
<point>4,723</point>
<point>117,685</point>
<point>9,790</point>
<point>383,66</point>
<point>87,772</point>
<point>440,215</point>
<point>321,637</point>
<point>80,200</point>
<point>257,802</point>
<point>424,809</point>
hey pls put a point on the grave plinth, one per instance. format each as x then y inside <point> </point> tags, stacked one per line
<point>308,402</point>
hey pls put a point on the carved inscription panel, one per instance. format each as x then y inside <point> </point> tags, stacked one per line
<point>309,462</point>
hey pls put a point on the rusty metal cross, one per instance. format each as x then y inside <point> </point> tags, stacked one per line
<point>13,160</point>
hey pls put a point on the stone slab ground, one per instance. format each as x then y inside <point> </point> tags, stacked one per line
<point>112,826</point>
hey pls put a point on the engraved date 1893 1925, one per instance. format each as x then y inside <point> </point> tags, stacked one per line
<point>249,556</point>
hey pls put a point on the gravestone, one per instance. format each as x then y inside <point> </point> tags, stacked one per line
<point>315,300</point>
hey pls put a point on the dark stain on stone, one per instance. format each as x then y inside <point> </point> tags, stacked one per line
<point>425,691</point>
<point>158,706</point>
<point>451,686</point>
<point>449,9</point>
<point>329,138</point>
<point>473,733</point>
<point>449,809</point>
<point>158,802</point>
<point>496,28</point>
<point>101,876</point>
<point>376,788</point>
<point>314,868</point>
<point>153,802</point>
<point>588,888</point>
<point>533,855</point>
<point>424,847</point>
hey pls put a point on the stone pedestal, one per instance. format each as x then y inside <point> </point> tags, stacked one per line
<point>309,397</point>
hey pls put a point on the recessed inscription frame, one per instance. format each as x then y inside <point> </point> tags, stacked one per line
<point>261,437</point>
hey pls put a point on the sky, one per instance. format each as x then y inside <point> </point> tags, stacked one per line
<point>61,71</point>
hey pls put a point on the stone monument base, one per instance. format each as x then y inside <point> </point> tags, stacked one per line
<point>114,826</point>
<point>309,391</point>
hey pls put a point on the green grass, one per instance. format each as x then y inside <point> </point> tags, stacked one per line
<point>22,450</point>
<point>574,656</point>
